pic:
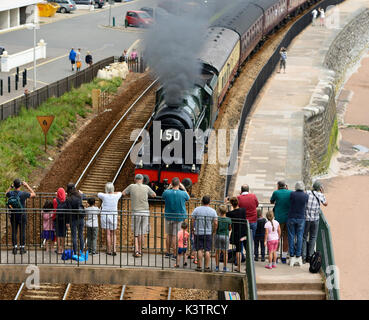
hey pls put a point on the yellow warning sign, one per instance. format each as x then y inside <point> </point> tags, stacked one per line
<point>45,122</point>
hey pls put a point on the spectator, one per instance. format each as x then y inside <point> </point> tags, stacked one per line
<point>314,14</point>
<point>322,17</point>
<point>175,198</point>
<point>281,200</point>
<point>272,236</point>
<point>92,225</point>
<point>204,223</point>
<point>296,222</point>
<point>259,237</point>
<point>88,58</point>
<point>283,60</point>
<point>48,231</point>
<point>76,215</point>
<point>109,216</point>
<point>182,244</point>
<point>72,58</point>
<point>124,57</point>
<point>249,201</point>
<point>239,228</point>
<point>139,193</point>
<point>59,205</point>
<point>18,217</point>
<point>316,197</point>
<point>222,237</point>
<point>134,55</point>
<point>78,60</point>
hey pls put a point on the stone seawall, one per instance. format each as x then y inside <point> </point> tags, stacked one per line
<point>320,125</point>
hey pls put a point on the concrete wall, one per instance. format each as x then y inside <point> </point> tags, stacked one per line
<point>4,20</point>
<point>320,115</point>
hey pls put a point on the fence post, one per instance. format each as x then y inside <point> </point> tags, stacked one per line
<point>1,87</point>
<point>9,84</point>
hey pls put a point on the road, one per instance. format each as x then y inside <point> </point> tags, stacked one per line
<point>88,32</point>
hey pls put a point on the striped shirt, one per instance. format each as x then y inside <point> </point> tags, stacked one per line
<point>313,206</point>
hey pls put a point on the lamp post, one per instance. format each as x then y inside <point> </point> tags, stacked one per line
<point>34,25</point>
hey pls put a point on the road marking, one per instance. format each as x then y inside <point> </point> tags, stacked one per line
<point>133,45</point>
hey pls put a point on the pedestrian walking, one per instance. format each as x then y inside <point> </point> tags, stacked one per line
<point>18,216</point>
<point>72,58</point>
<point>239,229</point>
<point>259,237</point>
<point>92,224</point>
<point>204,223</point>
<point>314,13</point>
<point>109,216</point>
<point>312,216</point>
<point>271,240</point>
<point>283,60</point>
<point>78,60</point>
<point>175,213</point>
<point>322,17</point>
<point>75,217</point>
<point>182,244</point>
<point>139,193</point>
<point>88,58</point>
<point>281,200</point>
<point>60,207</point>
<point>222,237</point>
<point>48,231</point>
<point>296,222</point>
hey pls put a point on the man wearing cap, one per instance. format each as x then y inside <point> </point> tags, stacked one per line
<point>139,193</point>
<point>316,197</point>
<point>281,200</point>
<point>18,216</point>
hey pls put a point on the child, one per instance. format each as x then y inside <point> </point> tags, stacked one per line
<point>272,236</point>
<point>182,237</point>
<point>282,63</point>
<point>259,236</point>
<point>222,237</point>
<point>48,232</point>
<point>92,225</point>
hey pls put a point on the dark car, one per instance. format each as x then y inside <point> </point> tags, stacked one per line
<point>86,2</point>
<point>65,6</point>
<point>99,3</point>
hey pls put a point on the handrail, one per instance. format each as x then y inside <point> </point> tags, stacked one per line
<point>112,130</point>
<point>250,267</point>
<point>324,244</point>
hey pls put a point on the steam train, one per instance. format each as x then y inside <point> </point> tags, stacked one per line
<point>230,40</point>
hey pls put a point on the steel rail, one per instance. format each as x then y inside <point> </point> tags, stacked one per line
<point>113,129</point>
<point>19,291</point>
<point>66,292</point>
<point>169,292</point>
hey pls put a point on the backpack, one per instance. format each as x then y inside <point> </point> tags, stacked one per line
<point>14,201</point>
<point>315,262</point>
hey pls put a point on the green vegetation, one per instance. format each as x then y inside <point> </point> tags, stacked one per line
<point>323,166</point>
<point>359,126</point>
<point>21,137</point>
<point>364,163</point>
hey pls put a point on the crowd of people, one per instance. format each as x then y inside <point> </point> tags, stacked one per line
<point>293,222</point>
<point>75,59</point>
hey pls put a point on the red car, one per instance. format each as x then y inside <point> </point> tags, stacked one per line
<point>138,18</point>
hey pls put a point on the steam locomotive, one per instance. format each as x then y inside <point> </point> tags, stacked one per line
<point>229,42</point>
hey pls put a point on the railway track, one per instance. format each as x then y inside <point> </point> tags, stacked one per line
<point>46,291</point>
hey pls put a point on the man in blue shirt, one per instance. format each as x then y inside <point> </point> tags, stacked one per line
<point>296,222</point>
<point>72,58</point>
<point>18,216</point>
<point>175,198</point>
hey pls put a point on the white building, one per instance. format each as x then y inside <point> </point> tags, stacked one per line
<point>13,13</point>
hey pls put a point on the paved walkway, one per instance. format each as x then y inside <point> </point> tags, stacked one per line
<point>273,146</point>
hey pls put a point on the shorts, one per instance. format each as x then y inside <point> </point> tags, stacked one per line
<point>140,225</point>
<point>79,64</point>
<point>172,227</point>
<point>283,64</point>
<point>109,221</point>
<point>48,234</point>
<point>60,227</point>
<point>182,250</point>
<point>221,242</point>
<point>272,245</point>
<point>72,61</point>
<point>203,242</point>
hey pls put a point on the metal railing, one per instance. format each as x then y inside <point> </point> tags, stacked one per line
<point>325,246</point>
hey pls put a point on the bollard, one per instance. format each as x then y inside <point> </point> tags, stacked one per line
<point>24,77</point>
<point>113,21</point>
<point>9,84</point>
<point>16,81</point>
<point>1,87</point>
<point>18,71</point>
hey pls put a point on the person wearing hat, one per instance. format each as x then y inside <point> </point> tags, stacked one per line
<point>312,215</point>
<point>139,193</point>
<point>296,222</point>
<point>18,216</point>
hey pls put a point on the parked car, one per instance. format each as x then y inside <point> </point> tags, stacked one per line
<point>2,49</point>
<point>65,6</point>
<point>99,3</point>
<point>86,2</point>
<point>138,18</point>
